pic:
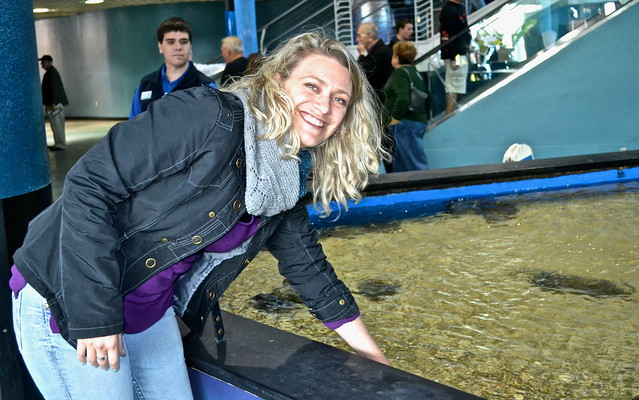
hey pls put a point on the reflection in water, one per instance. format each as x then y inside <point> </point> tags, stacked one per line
<point>376,289</point>
<point>281,300</point>
<point>577,285</point>
<point>490,210</point>
<point>538,303</point>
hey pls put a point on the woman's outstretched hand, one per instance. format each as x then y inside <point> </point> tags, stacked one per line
<point>356,335</point>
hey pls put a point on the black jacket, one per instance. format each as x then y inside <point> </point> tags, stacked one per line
<point>153,83</point>
<point>52,89</point>
<point>377,65</point>
<point>234,70</point>
<point>144,198</point>
<point>452,22</point>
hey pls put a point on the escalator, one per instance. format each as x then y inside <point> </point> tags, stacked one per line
<point>552,74</point>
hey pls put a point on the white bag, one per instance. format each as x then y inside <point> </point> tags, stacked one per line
<point>518,152</point>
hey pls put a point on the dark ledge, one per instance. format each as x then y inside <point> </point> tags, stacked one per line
<point>490,173</point>
<point>277,365</point>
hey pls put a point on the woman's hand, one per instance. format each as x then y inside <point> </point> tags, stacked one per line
<point>356,335</point>
<point>102,351</point>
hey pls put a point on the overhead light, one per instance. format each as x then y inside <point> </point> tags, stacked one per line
<point>93,1</point>
<point>41,10</point>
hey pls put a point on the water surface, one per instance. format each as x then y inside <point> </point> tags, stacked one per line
<point>520,297</point>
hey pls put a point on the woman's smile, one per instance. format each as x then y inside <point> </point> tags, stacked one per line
<point>320,89</point>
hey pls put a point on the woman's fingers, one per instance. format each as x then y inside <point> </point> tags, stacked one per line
<point>82,352</point>
<point>115,352</point>
<point>101,352</point>
<point>121,345</point>
<point>103,360</point>
<point>114,361</point>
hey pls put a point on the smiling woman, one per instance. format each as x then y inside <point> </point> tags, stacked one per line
<point>320,89</point>
<point>158,224</point>
<point>355,142</point>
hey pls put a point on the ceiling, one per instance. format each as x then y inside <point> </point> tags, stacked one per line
<point>63,8</point>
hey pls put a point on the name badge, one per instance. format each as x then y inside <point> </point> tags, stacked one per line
<point>146,95</point>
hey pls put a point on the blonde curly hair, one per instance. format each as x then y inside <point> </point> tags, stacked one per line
<point>342,164</point>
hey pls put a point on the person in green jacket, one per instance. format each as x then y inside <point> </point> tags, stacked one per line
<point>407,124</point>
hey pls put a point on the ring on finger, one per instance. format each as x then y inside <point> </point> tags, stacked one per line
<point>103,358</point>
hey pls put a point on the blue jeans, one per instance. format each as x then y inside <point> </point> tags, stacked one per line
<point>409,154</point>
<point>153,367</point>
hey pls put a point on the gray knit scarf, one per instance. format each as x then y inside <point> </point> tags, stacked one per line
<point>272,184</point>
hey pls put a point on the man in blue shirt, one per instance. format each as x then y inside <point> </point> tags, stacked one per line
<point>178,72</point>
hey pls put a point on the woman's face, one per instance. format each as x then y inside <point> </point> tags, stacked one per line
<point>320,89</point>
<point>395,61</point>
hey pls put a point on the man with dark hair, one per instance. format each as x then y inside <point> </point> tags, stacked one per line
<point>54,99</point>
<point>405,30</point>
<point>453,29</point>
<point>178,72</point>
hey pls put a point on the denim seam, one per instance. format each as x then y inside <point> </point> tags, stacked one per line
<point>136,387</point>
<point>53,356</point>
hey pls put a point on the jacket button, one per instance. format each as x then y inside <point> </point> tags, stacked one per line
<point>229,114</point>
<point>196,239</point>
<point>212,214</point>
<point>342,302</point>
<point>201,319</point>
<point>165,240</point>
<point>218,319</point>
<point>238,163</point>
<point>247,261</point>
<point>212,294</point>
<point>150,263</point>
<point>237,204</point>
<point>220,332</point>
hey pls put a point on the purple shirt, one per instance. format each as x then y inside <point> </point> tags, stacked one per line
<point>147,304</point>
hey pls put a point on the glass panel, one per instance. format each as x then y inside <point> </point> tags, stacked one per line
<point>504,41</point>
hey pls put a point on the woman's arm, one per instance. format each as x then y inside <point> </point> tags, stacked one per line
<point>357,336</point>
<point>303,263</point>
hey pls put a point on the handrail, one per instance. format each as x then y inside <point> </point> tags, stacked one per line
<point>521,66</point>
<point>486,11</point>
<point>290,10</point>
<point>491,9</point>
<point>301,23</point>
<point>264,28</point>
<point>373,12</point>
<point>215,59</point>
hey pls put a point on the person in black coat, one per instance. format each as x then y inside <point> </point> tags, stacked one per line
<point>374,56</point>
<point>54,99</point>
<point>375,59</point>
<point>236,63</point>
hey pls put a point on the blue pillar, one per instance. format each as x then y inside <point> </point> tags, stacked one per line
<point>23,150</point>
<point>246,25</point>
<point>229,18</point>
<point>25,187</point>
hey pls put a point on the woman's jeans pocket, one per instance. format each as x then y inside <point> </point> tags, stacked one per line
<point>30,313</point>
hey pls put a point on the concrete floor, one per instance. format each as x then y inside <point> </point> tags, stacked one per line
<point>81,135</point>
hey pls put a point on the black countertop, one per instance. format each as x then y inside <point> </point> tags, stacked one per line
<point>275,365</point>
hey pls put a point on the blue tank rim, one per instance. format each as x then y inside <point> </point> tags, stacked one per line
<point>419,193</point>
